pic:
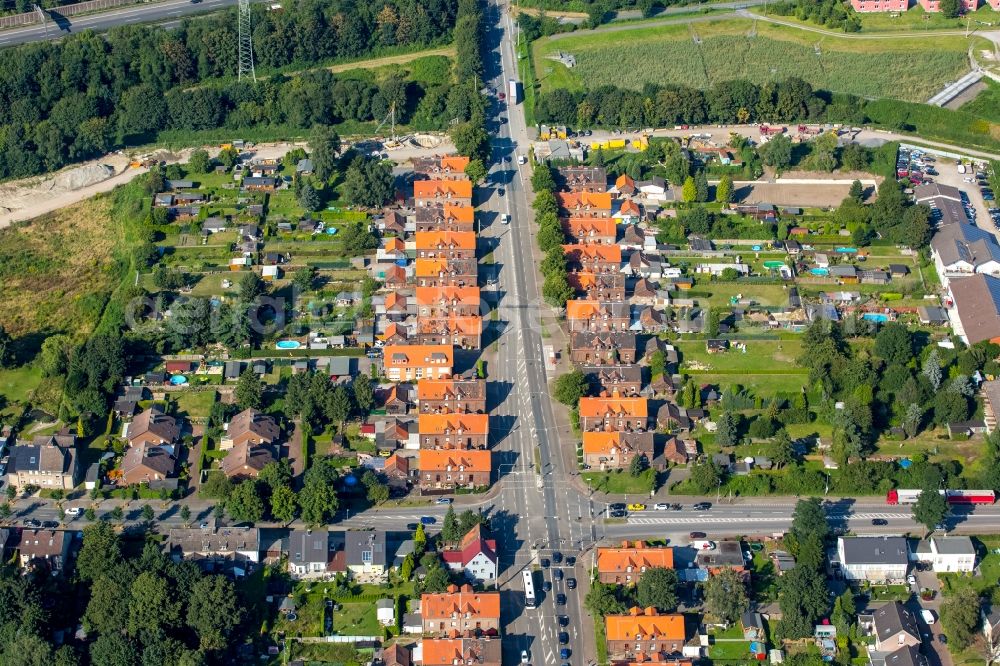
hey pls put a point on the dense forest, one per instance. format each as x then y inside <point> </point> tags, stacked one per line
<point>75,99</point>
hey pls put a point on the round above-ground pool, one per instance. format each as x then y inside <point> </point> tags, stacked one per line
<point>819,271</point>
<point>178,380</point>
<point>773,264</point>
<point>876,317</point>
<point>288,344</point>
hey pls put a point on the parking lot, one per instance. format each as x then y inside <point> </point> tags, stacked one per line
<point>945,171</point>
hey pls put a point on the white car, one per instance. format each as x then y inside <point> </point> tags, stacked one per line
<point>524,657</point>
<point>911,580</point>
<point>73,511</point>
<point>521,159</point>
<point>505,219</point>
<point>661,506</point>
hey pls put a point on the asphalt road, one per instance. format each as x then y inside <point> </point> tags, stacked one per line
<point>60,26</point>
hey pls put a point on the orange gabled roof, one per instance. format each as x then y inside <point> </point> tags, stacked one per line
<point>646,624</point>
<point>572,200</point>
<point>624,180</point>
<point>468,325</point>
<point>392,330</point>
<point>447,294</point>
<point>442,651</point>
<point>455,189</point>
<point>393,244</point>
<point>587,226</point>
<point>439,240</point>
<point>394,298</point>
<point>440,424</point>
<point>430,267</point>
<point>630,207</point>
<point>582,309</point>
<point>459,601</point>
<point>471,460</point>
<point>636,558</point>
<point>581,252</point>
<point>418,356</point>
<point>466,214</point>
<point>591,407</point>
<point>454,162</point>
<point>582,280</point>
<point>600,442</point>
<point>441,389</point>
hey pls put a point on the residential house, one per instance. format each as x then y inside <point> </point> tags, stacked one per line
<point>461,650</point>
<point>963,249</point>
<point>461,332</point>
<point>585,204</point>
<point>153,427</point>
<point>216,546</point>
<point>414,362</point>
<point>451,396</point>
<point>928,192</point>
<point>644,265</point>
<point>246,460</point>
<point>876,559</point>
<point>438,192</point>
<point>597,316</point>
<point>213,225</point>
<point>679,451</point>
<point>366,553</point>
<point>148,463</point>
<point>397,654</point>
<point>904,656</point>
<point>880,5</point>
<point>636,238</point>
<point>592,347</point>
<point>624,380</point>
<point>977,308</point>
<point>598,286</point>
<point>309,553</point>
<point>476,556</point>
<point>397,474</point>
<point>590,230</point>
<point>654,189</point>
<point>644,631</point>
<point>434,302</point>
<point>45,549</point>
<point>441,167</point>
<point>624,186</point>
<point>947,554</point>
<point>613,414</point>
<point>435,272</point>
<point>261,183</point>
<point>725,555</point>
<point>454,431</point>
<point>393,223</point>
<point>250,427</point>
<point>625,564</point>
<point>461,610</point>
<point>447,217</point>
<point>44,465</point>
<point>584,178</point>
<point>395,433</point>
<point>626,211</point>
<point>445,244</point>
<point>934,6</point>
<point>990,614</point>
<point>593,257</point>
<point>446,469</point>
<point>615,450</point>
<point>892,625</point>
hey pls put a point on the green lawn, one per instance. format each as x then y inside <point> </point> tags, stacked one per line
<point>195,404</point>
<point>763,357</point>
<point>356,620</point>
<point>621,482</point>
<point>989,566</point>
<point>763,294</point>
<point>987,103</point>
<point>729,650</point>
<point>703,54</point>
<point>16,384</point>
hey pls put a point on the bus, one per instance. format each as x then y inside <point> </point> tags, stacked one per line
<point>529,588</point>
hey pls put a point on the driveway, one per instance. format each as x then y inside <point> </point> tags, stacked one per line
<point>935,650</point>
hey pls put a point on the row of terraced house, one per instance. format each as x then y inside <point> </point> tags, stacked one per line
<point>614,324</point>
<point>436,427</point>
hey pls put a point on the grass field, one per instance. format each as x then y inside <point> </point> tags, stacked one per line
<point>987,103</point>
<point>909,68</point>
<point>57,271</point>
<point>915,19</point>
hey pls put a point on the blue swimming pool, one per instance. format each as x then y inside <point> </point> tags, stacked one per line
<point>178,380</point>
<point>819,271</point>
<point>846,250</point>
<point>876,317</point>
<point>288,344</point>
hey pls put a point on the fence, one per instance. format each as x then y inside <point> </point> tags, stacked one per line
<point>32,18</point>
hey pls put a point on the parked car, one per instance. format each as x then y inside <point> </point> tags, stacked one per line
<point>636,506</point>
<point>911,580</point>
<point>73,511</point>
<point>661,506</point>
<point>443,500</point>
<point>697,535</point>
<point>524,657</point>
<point>31,522</point>
<point>927,616</point>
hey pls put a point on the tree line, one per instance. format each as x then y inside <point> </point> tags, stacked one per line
<point>77,98</point>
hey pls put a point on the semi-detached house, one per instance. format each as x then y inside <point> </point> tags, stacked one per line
<point>454,431</point>
<point>625,564</point>
<point>461,610</point>
<point>875,559</point>
<point>413,362</point>
<point>447,469</point>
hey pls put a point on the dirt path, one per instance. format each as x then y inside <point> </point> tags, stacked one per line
<point>392,60</point>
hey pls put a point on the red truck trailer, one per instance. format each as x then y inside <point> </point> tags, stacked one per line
<point>909,496</point>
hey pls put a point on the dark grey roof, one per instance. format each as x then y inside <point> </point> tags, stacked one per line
<point>875,550</point>
<point>893,618</point>
<point>31,458</point>
<point>366,547</point>
<point>927,191</point>
<point>978,301</point>
<point>954,545</point>
<point>965,242</point>
<point>306,547</point>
